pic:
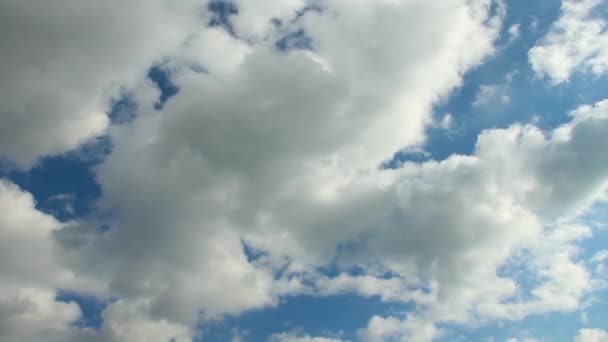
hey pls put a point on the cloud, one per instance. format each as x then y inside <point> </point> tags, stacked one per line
<point>446,122</point>
<point>34,267</point>
<point>64,60</point>
<point>30,313</point>
<point>576,41</point>
<point>393,329</point>
<point>591,335</point>
<point>31,271</point>
<point>491,93</point>
<point>280,151</point>
<point>265,153</point>
<point>124,322</point>
<point>24,230</point>
<point>292,337</point>
<point>514,32</point>
<point>501,201</point>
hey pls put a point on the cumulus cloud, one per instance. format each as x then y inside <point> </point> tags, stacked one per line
<point>25,230</point>
<point>31,271</point>
<point>280,151</point>
<point>266,152</point>
<point>31,314</point>
<point>64,60</point>
<point>576,41</point>
<point>34,267</point>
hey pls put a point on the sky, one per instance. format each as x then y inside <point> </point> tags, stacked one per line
<point>304,171</point>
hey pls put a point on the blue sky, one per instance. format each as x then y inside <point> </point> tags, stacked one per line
<point>201,183</point>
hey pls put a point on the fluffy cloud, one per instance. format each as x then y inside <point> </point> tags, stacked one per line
<point>280,151</point>
<point>577,40</point>
<point>124,322</point>
<point>34,267</point>
<point>31,271</point>
<point>591,335</point>
<point>29,314</point>
<point>63,60</point>
<point>413,329</point>
<point>25,230</point>
<point>267,151</point>
<point>491,207</point>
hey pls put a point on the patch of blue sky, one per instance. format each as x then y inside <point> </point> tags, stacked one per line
<point>294,40</point>
<point>91,307</point>
<point>298,15</point>
<point>122,108</point>
<point>162,78</point>
<point>221,13</point>
<point>63,186</point>
<point>328,316</point>
<point>298,38</point>
<point>594,316</point>
<point>314,316</point>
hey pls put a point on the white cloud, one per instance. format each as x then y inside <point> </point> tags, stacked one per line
<point>524,340</point>
<point>562,281</point>
<point>446,122</point>
<point>282,150</point>
<point>600,256</point>
<point>63,60</point>
<point>31,271</point>
<point>292,337</point>
<point>34,268</point>
<point>23,230</point>
<point>412,329</point>
<point>490,94</point>
<point>232,155</point>
<point>28,314</point>
<point>576,41</point>
<point>591,335</point>
<point>389,290</point>
<point>514,32</point>
<point>490,205</point>
<point>124,322</point>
